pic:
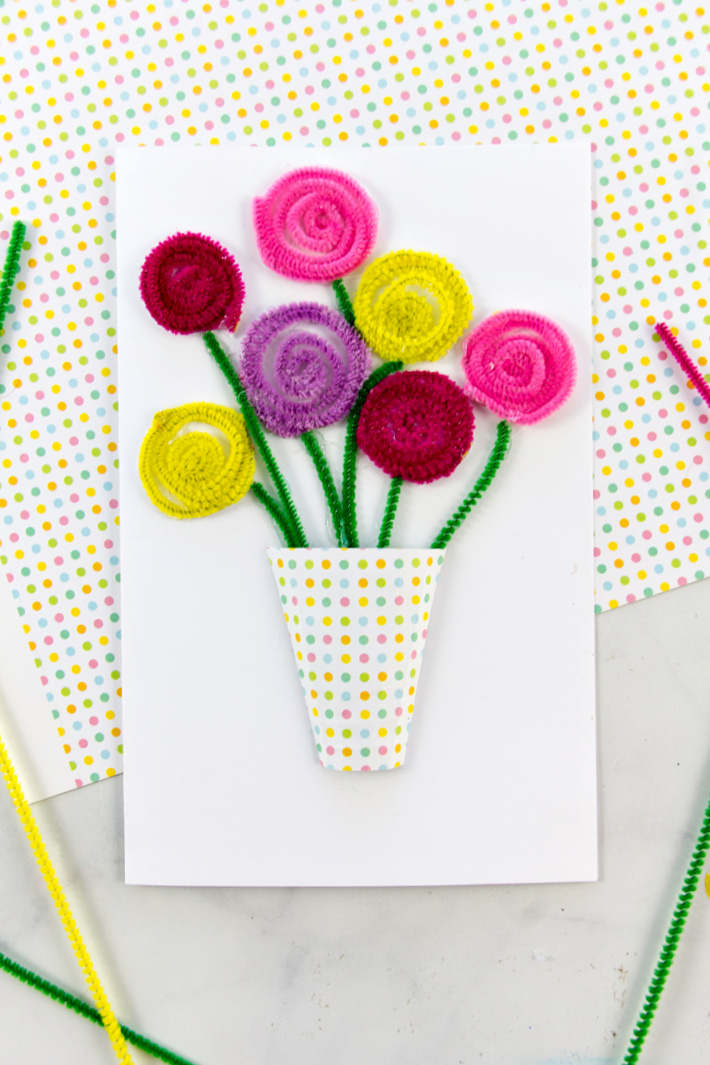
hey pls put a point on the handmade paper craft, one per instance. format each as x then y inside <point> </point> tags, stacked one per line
<point>304,366</point>
<point>327,437</point>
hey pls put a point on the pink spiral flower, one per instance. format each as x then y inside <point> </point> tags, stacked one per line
<point>416,424</point>
<point>315,224</point>
<point>520,365</point>
<point>191,284</point>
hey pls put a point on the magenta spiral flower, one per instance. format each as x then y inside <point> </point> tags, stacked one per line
<point>416,424</point>
<point>520,365</point>
<point>302,367</point>
<point>315,224</point>
<point>191,284</point>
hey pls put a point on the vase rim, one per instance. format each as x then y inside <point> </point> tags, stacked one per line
<point>361,550</point>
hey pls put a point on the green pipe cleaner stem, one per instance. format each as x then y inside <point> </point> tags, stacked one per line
<point>332,498</point>
<point>71,1002</point>
<point>390,510</point>
<point>670,944</point>
<point>350,451</point>
<point>257,434</point>
<point>498,453</point>
<point>10,267</point>
<point>275,512</point>
<point>344,305</point>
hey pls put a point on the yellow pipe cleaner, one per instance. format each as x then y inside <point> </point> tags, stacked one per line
<point>113,1028</point>
<point>412,306</point>
<point>7,280</point>
<point>187,474</point>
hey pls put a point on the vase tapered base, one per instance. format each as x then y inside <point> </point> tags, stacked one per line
<point>358,620</point>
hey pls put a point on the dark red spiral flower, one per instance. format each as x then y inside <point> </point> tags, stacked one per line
<point>191,284</point>
<point>417,425</point>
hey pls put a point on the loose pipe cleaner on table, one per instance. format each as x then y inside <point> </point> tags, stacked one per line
<point>103,1011</point>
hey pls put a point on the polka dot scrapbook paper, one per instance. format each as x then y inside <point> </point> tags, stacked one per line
<point>78,79</point>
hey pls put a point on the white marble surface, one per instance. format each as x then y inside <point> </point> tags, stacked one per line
<point>497,976</point>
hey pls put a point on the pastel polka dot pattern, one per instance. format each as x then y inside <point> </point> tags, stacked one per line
<point>79,79</point>
<point>358,621</point>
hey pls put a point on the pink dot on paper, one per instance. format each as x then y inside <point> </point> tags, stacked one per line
<point>347,714</point>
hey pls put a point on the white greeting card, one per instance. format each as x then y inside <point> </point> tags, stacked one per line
<point>223,785</point>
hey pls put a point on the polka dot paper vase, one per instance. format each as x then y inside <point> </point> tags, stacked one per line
<point>358,621</point>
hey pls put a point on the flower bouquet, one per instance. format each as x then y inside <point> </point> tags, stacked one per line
<point>357,614</point>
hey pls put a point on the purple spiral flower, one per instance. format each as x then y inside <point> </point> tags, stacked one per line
<point>302,367</point>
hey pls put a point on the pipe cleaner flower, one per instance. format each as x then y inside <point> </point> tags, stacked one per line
<point>417,425</point>
<point>315,224</point>
<point>412,306</point>
<point>520,365</point>
<point>191,473</point>
<point>191,284</point>
<point>302,366</point>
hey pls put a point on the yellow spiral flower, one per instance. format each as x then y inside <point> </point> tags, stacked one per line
<point>189,473</point>
<point>412,305</point>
